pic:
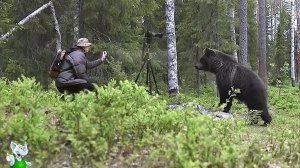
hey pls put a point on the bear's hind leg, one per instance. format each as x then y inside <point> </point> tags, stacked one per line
<point>266,117</point>
<point>260,105</point>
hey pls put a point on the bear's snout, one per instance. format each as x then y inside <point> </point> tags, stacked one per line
<point>198,66</point>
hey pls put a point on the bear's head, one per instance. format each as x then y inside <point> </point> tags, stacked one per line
<point>212,60</point>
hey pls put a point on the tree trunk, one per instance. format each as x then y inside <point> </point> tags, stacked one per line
<point>171,46</point>
<point>243,33</point>
<point>298,39</point>
<point>197,73</point>
<point>56,27</point>
<point>262,69</point>
<point>232,27</point>
<point>293,27</point>
<point>276,14</point>
<point>272,20</point>
<point>76,15</point>
<point>26,19</point>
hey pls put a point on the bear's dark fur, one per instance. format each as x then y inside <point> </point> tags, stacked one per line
<point>230,74</point>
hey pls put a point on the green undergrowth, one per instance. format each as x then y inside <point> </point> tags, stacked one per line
<point>128,127</point>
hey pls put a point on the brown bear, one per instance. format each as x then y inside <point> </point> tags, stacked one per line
<point>230,74</point>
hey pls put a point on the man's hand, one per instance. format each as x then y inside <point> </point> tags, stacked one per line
<point>104,55</point>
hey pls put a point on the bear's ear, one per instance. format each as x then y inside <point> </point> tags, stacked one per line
<point>208,51</point>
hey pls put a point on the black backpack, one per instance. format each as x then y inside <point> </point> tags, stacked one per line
<point>56,64</point>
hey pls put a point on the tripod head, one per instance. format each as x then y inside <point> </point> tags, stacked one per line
<point>149,34</point>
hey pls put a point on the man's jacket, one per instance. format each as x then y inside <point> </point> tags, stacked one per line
<point>74,68</point>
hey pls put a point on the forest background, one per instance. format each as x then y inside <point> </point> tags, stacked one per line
<point>118,27</point>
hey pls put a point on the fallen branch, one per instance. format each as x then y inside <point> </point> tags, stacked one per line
<point>33,14</point>
<point>56,26</point>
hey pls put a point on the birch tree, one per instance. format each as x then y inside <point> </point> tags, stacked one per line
<point>26,19</point>
<point>32,15</point>
<point>272,21</point>
<point>76,15</point>
<point>171,47</point>
<point>298,39</point>
<point>273,9</point>
<point>231,14</point>
<point>262,66</point>
<point>293,27</point>
<point>243,33</point>
<point>56,27</point>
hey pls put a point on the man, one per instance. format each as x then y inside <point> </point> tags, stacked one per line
<point>72,77</point>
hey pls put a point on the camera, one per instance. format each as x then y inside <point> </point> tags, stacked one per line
<point>150,34</point>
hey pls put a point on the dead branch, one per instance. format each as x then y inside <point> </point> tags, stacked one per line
<point>32,15</point>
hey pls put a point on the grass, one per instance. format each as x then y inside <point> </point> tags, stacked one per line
<point>129,128</point>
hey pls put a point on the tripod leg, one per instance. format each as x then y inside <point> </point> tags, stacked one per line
<point>149,77</point>
<point>140,72</point>
<point>154,78</point>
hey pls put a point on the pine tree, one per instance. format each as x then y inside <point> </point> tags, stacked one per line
<point>262,70</point>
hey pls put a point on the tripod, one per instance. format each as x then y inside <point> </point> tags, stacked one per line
<point>149,69</point>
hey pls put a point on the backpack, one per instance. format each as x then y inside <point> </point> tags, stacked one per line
<point>56,64</point>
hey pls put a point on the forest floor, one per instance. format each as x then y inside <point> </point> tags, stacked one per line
<point>128,128</point>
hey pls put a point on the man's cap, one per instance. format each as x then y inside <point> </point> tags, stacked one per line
<point>83,42</point>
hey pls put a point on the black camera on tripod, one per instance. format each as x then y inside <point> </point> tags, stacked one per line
<point>146,57</point>
<point>150,34</point>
